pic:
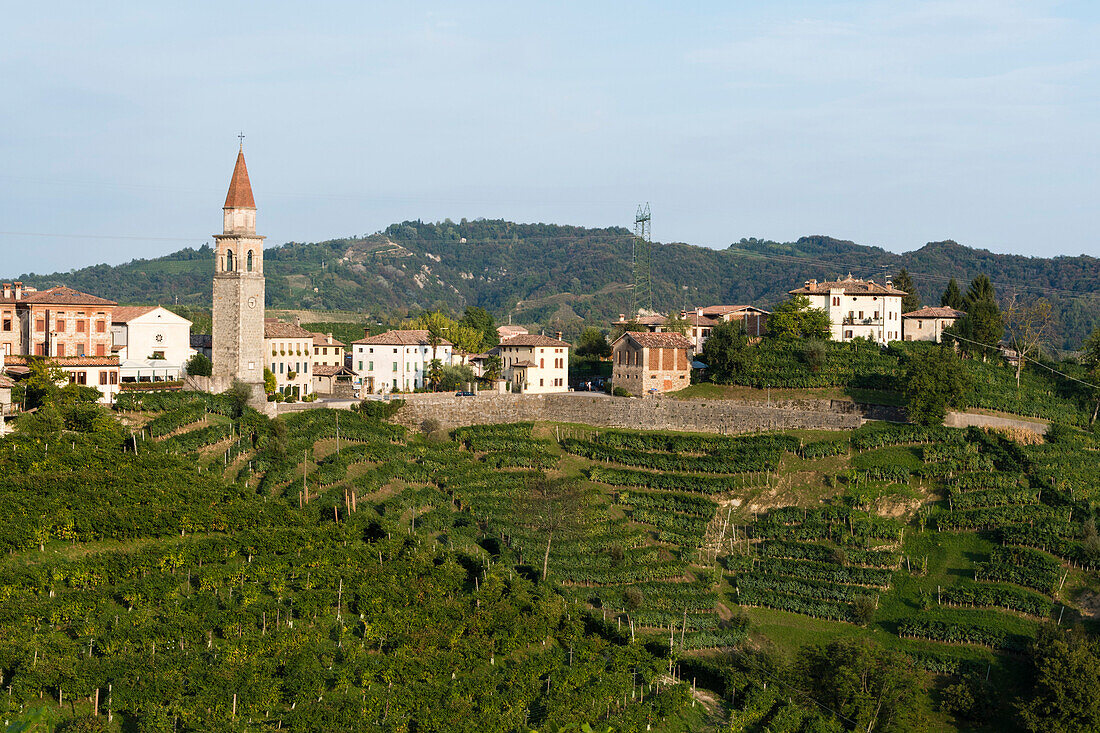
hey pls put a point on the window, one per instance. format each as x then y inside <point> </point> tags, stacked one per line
<point>82,377</point>
<point>861,315</point>
<point>272,367</point>
<point>542,363</point>
<point>248,261</point>
<point>114,377</point>
<point>103,377</point>
<point>60,326</point>
<point>395,369</point>
<point>101,326</point>
<point>371,367</point>
<point>40,325</point>
<point>7,324</point>
<point>60,350</point>
<point>158,354</point>
<point>282,367</point>
<point>540,382</point>
<point>81,326</point>
<point>847,334</point>
<point>876,315</point>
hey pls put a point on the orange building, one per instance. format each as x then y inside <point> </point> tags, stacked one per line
<point>59,322</point>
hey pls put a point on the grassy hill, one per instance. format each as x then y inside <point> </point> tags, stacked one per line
<point>560,277</point>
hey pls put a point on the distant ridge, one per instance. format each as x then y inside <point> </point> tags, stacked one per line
<point>559,277</point>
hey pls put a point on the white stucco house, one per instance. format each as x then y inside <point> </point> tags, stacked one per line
<point>396,360</point>
<point>534,364</point>
<point>857,308</point>
<point>152,343</point>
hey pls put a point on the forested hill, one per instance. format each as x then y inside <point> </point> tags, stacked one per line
<point>558,276</point>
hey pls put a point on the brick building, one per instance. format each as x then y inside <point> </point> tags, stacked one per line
<point>651,363</point>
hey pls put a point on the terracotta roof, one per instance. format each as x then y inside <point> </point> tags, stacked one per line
<point>512,330</point>
<point>5,382</point>
<point>322,339</point>
<point>532,339</point>
<point>64,296</point>
<point>697,320</point>
<point>65,361</point>
<point>126,313</point>
<point>417,337</point>
<point>929,311</point>
<point>275,329</point>
<point>721,310</point>
<point>657,340</point>
<point>850,286</point>
<point>523,363</point>
<point>240,189</point>
<point>330,370</point>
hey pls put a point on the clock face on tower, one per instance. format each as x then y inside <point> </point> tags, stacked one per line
<point>251,302</point>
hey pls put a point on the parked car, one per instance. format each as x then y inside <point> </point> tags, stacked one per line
<point>464,394</point>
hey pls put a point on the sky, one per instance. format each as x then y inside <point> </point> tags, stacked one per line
<point>887,122</point>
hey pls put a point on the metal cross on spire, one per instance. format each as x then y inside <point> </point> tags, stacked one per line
<point>241,136</point>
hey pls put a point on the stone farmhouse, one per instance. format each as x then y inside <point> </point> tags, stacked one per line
<point>928,323</point>
<point>857,308</point>
<point>651,363</point>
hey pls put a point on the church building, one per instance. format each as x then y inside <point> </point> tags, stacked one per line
<point>238,317</point>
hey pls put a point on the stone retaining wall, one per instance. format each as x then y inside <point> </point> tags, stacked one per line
<point>711,416</point>
<point>966,419</point>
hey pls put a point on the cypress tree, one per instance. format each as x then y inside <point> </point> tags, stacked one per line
<point>952,297</point>
<point>903,281</point>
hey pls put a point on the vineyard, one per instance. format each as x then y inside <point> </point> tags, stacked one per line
<point>198,565</point>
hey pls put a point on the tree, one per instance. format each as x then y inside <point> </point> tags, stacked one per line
<point>1030,326</point>
<point>270,384</point>
<point>863,682</point>
<point>553,507</point>
<point>934,381</point>
<point>903,281</point>
<point>493,367</point>
<point>455,377</point>
<point>481,320</point>
<point>435,372</point>
<point>199,366</point>
<point>1091,359</point>
<point>981,329</point>
<point>466,339</point>
<point>677,324</point>
<point>952,296</point>
<point>1065,686</point>
<point>43,381</point>
<point>797,319</point>
<point>727,352</point>
<point>593,344</point>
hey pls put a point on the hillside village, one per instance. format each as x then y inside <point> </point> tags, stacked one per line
<point>112,348</point>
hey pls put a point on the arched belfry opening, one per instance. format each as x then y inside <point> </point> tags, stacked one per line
<point>229,260</point>
<point>248,261</point>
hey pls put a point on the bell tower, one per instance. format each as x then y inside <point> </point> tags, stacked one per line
<point>238,328</point>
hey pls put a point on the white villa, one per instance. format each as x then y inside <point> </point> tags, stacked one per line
<point>395,360</point>
<point>153,344</point>
<point>857,308</point>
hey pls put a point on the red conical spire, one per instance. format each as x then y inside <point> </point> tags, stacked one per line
<point>240,189</point>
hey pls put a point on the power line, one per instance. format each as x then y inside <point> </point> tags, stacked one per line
<point>1026,358</point>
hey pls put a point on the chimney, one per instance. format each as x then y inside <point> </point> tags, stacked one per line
<point>559,335</point>
<point>18,290</point>
<point>699,312</point>
<point>297,320</point>
<point>622,316</point>
<point>328,337</point>
<point>7,290</point>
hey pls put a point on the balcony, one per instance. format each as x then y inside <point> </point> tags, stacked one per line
<point>852,321</point>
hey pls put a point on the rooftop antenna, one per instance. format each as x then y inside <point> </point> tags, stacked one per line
<point>642,294</point>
